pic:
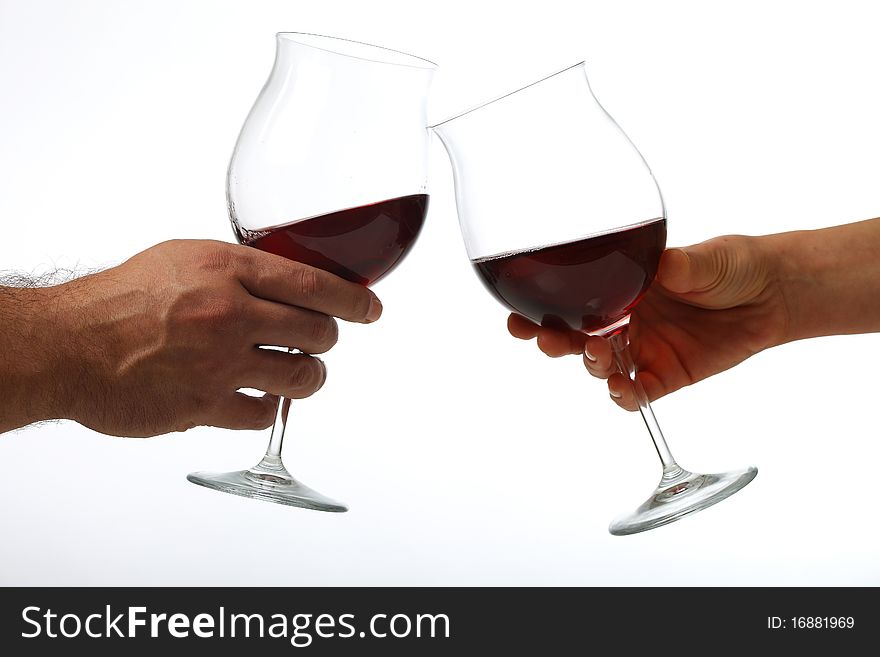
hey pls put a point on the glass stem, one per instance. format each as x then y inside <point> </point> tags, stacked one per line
<point>276,440</point>
<point>271,464</point>
<point>620,346</point>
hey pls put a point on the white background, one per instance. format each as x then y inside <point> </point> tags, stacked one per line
<point>467,457</point>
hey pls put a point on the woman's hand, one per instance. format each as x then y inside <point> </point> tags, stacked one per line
<point>710,307</point>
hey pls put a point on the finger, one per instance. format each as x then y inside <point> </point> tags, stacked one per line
<point>557,343</point>
<point>278,279</point>
<point>522,328</point>
<point>598,358</point>
<point>621,391</point>
<point>240,411</point>
<point>295,376</point>
<point>691,269</point>
<point>286,326</point>
<point>673,272</point>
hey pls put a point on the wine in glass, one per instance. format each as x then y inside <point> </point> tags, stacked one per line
<point>330,169</point>
<point>564,223</point>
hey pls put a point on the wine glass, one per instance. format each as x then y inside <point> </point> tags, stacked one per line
<point>330,169</point>
<point>564,223</point>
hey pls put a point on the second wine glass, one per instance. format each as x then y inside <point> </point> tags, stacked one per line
<point>330,169</point>
<point>565,224</point>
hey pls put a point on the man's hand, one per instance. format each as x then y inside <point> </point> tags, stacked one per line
<point>162,342</point>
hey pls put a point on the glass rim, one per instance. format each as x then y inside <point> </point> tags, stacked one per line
<point>509,93</point>
<point>408,60</point>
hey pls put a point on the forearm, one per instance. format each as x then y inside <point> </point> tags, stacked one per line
<point>829,278</point>
<point>30,376</point>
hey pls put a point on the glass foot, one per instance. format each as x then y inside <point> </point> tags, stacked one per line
<point>680,494</point>
<point>272,483</point>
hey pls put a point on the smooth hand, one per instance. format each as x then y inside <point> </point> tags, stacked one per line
<point>710,307</point>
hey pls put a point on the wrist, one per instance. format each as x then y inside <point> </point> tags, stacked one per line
<point>805,267</point>
<point>785,277</point>
<point>59,341</point>
<point>29,367</point>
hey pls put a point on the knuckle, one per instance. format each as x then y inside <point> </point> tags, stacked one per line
<point>201,334</point>
<point>263,416</point>
<point>310,283</point>
<point>216,256</point>
<point>362,302</point>
<point>324,333</point>
<point>304,376</point>
<point>223,312</point>
<point>322,374</point>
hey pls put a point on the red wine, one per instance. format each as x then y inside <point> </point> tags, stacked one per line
<point>585,285</point>
<point>359,244</point>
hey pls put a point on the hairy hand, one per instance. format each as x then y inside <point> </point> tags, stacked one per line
<point>163,342</point>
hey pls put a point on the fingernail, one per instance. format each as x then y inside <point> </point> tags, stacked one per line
<point>324,368</point>
<point>615,394</point>
<point>589,356</point>
<point>375,310</point>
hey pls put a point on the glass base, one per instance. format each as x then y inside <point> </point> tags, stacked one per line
<point>270,483</point>
<point>680,494</point>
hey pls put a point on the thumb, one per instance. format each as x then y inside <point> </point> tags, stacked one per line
<point>695,268</point>
<point>720,273</point>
